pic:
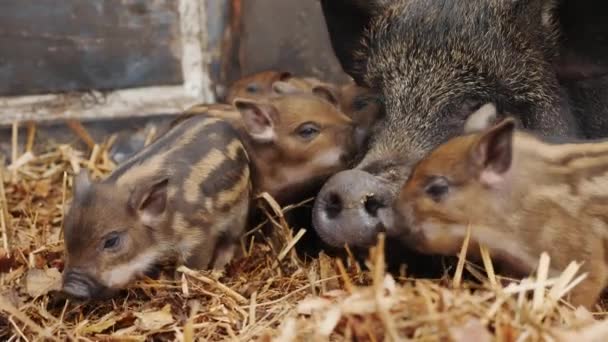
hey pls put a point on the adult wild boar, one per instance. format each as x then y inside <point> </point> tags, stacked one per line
<point>434,62</point>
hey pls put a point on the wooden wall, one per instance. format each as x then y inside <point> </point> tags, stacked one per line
<point>147,57</point>
<point>49,46</point>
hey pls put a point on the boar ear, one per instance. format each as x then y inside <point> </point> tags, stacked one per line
<point>328,93</point>
<point>150,201</point>
<point>82,183</point>
<point>346,22</point>
<point>481,119</point>
<point>259,119</point>
<point>283,87</point>
<point>583,52</point>
<point>492,153</point>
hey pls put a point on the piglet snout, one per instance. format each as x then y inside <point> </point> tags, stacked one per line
<point>79,284</point>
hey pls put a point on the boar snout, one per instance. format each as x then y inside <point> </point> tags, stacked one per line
<point>81,285</point>
<point>352,208</point>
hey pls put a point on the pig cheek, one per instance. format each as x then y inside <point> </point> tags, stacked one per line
<point>344,143</point>
<point>440,238</point>
<point>133,260</point>
<point>425,231</point>
<point>407,224</point>
<point>441,228</point>
<point>336,146</point>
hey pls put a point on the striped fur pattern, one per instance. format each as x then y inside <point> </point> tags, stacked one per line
<point>186,195</point>
<point>286,161</point>
<point>520,195</point>
<point>358,102</point>
<point>260,86</point>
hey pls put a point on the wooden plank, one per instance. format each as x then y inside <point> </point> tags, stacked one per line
<point>288,35</point>
<point>134,102</point>
<point>72,45</point>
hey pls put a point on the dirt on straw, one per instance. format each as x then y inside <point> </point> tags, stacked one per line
<point>269,294</point>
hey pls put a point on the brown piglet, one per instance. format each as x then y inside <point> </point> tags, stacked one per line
<point>296,141</point>
<point>360,103</point>
<point>259,86</point>
<point>520,196</point>
<point>184,196</point>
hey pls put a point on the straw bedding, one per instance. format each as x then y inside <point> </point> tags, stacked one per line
<point>271,293</point>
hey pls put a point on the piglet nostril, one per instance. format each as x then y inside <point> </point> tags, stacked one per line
<point>76,289</point>
<point>372,205</point>
<point>79,284</point>
<point>333,206</point>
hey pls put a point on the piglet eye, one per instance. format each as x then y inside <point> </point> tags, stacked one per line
<point>252,88</point>
<point>112,241</point>
<point>360,103</point>
<point>308,131</point>
<point>437,187</point>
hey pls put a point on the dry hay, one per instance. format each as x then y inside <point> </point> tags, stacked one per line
<point>270,294</point>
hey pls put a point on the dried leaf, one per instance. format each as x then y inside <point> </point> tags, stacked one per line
<point>471,331</point>
<point>42,188</point>
<point>596,332</point>
<point>288,331</point>
<point>154,320</point>
<point>126,334</point>
<point>7,263</point>
<point>330,321</point>
<point>40,282</point>
<point>583,315</point>
<point>102,324</point>
<point>12,296</point>
<point>307,306</point>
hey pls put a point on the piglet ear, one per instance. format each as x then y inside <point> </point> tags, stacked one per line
<point>492,153</point>
<point>284,76</point>
<point>82,184</point>
<point>327,93</point>
<point>284,87</point>
<point>149,201</point>
<point>259,119</point>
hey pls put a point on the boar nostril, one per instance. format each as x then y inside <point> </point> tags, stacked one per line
<point>333,206</point>
<point>372,205</point>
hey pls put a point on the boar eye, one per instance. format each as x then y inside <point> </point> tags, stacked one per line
<point>308,131</point>
<point>112,241</point>
<point>437,187</point>
<point>252,88</point>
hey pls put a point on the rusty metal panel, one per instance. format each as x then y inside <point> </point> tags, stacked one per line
<point>280,34</point>
<point>70,45</point>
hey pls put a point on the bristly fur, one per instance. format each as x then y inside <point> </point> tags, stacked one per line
<point>521,196</point>
<point>176,197</point>
<point>428,57</point>
<point>434,61</point>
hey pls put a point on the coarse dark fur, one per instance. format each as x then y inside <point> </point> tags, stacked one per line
<point>434,62</point>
